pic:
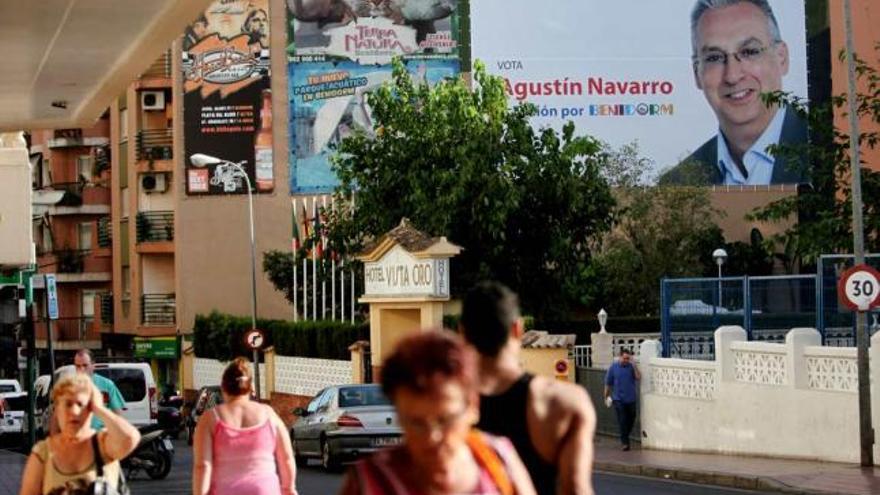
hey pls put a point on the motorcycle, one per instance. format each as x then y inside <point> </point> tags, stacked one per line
<point>153,455</point>
<point>171,418</point>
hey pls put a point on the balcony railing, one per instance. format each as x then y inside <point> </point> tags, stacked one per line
<point>70,260</point>
<point>155,144</point>
<point>105,233</point>
<point>155,226</point>
<point>158,309</point>
<point>107,308</point>
<point>73,192</point>
<point>160,68</point>
<point>70,329</point>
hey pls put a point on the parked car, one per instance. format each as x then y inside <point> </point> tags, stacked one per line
<point>9,388</point>
<point>136,384</point>
<point>344,422</point>
<point>207,398</point>
<point>13,416</point>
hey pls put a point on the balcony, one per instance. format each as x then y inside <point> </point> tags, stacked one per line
<point>155,226</point>
<point>158,310</point>
<point>154,144</point>
<point>69,333</point>
<point>75,265</point>
<point>160,69</point>
<point>107,308</point>
<point>77,198</point>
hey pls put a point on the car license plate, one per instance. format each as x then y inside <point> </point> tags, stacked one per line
<point>167,444</point>
<point>386,441</point>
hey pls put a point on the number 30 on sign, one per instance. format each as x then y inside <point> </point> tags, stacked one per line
<point>859,288</point>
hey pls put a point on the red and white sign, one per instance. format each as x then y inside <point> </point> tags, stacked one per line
<point>859,288</point>
<point>254,339</point>
<point>561,367</point>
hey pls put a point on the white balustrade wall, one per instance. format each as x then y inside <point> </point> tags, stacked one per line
<point>307,376</point>
<point>293,375</point>
<point>796,399</point>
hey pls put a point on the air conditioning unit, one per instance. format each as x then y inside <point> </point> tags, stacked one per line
<point>153,100</point>
<point>153,183</point>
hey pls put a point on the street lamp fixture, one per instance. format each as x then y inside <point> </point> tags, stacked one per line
<point>230,175</point>
<point>603,319</point>
<point>720,256</point>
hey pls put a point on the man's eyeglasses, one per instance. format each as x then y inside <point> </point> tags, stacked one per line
<point>716,59</point>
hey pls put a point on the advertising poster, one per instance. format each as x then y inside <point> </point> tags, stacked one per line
<point>371,31</point>
<point>227,99</point>
<point>341,49</point>
<point>328,102</point>
<point>626,72</point>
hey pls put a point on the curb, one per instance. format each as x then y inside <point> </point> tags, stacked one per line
<point>726,480</point>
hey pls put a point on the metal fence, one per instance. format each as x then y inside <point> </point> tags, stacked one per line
<point>767,307</point>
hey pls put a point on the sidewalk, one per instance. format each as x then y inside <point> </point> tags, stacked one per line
<point>754,473</point>
<point>11,467</point>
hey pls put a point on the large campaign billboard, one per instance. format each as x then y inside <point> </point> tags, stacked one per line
<point>227,101</point>
<point>338,51</point>
<point>630,71</point>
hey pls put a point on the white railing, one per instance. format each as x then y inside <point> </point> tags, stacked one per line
<point>684,378</point>
<point>832,369</point>
<point>631,341</point>
<point>581,355</point>
<point>308,376</point>
<point>759,362</point>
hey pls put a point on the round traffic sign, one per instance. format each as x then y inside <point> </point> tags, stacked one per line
<point>859,288</point>
<point>254,339</point>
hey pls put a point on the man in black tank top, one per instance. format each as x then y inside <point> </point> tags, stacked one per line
<point>551,423</point>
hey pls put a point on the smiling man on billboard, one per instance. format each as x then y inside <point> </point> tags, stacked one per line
<point>738,54</point>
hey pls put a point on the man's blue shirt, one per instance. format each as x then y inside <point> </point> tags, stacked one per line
<point>622,380</point>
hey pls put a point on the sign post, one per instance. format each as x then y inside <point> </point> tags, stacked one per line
<point>859,290</point>
<point>255,339</point>
<point>52,314</point>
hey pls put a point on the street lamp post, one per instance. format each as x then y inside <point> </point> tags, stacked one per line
<point>603,319</point>
<point>720,256</point>
<point>228,179</point>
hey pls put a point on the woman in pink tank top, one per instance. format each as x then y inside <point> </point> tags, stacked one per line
<point>242,448</point>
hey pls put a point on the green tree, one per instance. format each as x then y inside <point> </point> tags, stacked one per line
<point>824,209</point>
<point>661,232</point>
<point>526,205</point>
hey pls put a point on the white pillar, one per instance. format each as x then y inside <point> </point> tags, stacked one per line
<point>724,336</point>
<point>648,351</point>
<point>796,341</point>
<point>602,350</point>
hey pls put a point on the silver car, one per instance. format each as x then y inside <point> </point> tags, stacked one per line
<point>343,422</point>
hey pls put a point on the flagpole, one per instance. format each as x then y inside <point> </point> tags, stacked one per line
<point>315,264</point>
<point>351,270</point>
<point>295,247</point>
<point>333,274</point>
<point>342,292</point>
<point>305,260</point>
<point>323,261</point>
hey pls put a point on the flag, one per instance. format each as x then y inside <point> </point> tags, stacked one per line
<point>295,242</point>
<point>305,225</point>
<point>319,237</point>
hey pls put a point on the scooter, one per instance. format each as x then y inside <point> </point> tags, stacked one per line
<point>154,455</point>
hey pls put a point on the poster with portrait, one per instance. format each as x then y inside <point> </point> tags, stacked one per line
<point>328,102</point>
<point>628,72</point>
<point>227,102</point>
<point>372,31</point>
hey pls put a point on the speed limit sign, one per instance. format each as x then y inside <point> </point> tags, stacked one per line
<point>859,288</point>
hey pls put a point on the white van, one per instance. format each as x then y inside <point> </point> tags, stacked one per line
<point>138,387</point>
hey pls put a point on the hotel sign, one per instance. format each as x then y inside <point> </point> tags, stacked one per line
<point>399,274</point>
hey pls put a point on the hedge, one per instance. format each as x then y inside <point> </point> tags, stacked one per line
<point>221,336</point>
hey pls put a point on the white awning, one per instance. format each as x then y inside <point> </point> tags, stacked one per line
<point>66,60</point>
<point>42,200</point>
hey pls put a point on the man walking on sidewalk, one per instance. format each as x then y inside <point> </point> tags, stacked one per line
<point>620,389</point>
<point>551,423</point>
